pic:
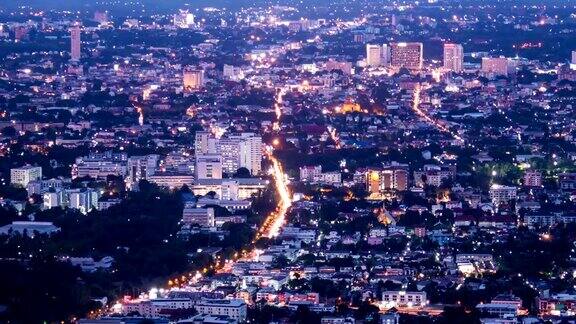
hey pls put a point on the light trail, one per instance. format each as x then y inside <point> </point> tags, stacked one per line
<point>273,223</point>
<point>278,107</point>
<point>427,118</point>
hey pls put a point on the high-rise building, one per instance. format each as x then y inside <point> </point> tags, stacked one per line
<point>141,167</point>
<point>75,42</point>
<point>407,55</point>
<point>574,57</point>
<point>208,166</point>
<point>373,55</point>
<point>241,151</point>
<point>193,79</point>
<point>229,148</point>
<point>251,153</point>
<point>23,175</point>
<point>453,57</point>
<point>234,151</point>
<point>205,143</point>
<point>496,66</point>
<point>385,54</point>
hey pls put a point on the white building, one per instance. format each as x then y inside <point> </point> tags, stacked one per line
<point>330,178</point>
<point>171,180</point>
<point>233,73</point>
<point>23,175</point>
<point>229,189</point>
<point>251,153</point>
<point>29,228</point>
<point>205,143</point>
<point>404,298</point>
<point>84,199</point>
<point>208,166</point>
<point>152,308</point>
<point>192,79</point>
<point>183,19</point>
<point>236,151</point>
<point>141,167</point>
<point>39,187</point>
<point>100,165</point>
<point>502,194</point>
<point>309,173</point>
<point>203,217</point>
<point>453,57</point>
<point>233,308</point>
<point>373,55</point>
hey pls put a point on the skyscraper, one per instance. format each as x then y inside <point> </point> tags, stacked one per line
<point>373,55</point>
<point>453,57</point>
<point>75,42</point>
<point>407,55</point>
<point>205,143</point>
<point>385,54</point>
<point>251,153</point>
<point>193,79</point>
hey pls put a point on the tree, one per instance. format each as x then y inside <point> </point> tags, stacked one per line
<point>242,173</point>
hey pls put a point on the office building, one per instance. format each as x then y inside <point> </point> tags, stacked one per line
<point>373,55</point>
<point>532,178</point>
<point>251,153</point>
<point>205,143</point>
<point>385,54</point>
<point>82,199</point>
<point>203,217</point>
<point>233,308</point>
<point>141,167</point>
<point>407,55</point>
<point>208,166</point>
<point>23,175</point>
<point>453,57</point>
<point>75,42</point>
<point>229,189</point>
<point>193,79</point>
<point>404,298</point>
<point>502,194</point>
<point>171,180</point>
<point>496,66</point>
<point>236,151</point>
<point>100,165</point>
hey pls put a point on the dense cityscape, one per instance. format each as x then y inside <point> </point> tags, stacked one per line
<point>285,161</point>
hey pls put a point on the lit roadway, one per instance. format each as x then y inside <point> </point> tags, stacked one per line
<point>427,118</point>
<point>270,228</point>
<point>273,223</point>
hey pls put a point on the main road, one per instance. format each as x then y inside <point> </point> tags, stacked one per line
<point>422,114</point>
